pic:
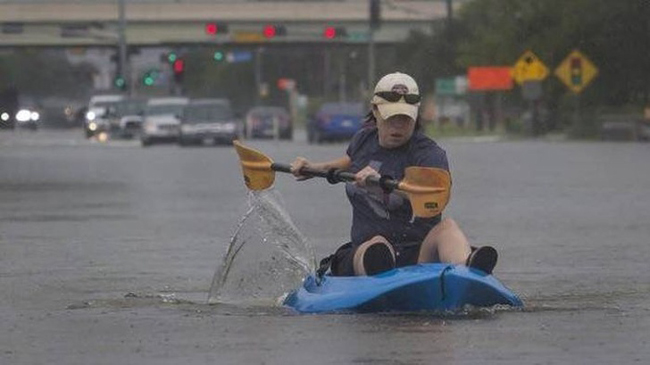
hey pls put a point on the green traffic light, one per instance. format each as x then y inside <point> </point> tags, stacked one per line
<point>148,80</point>
<point>171,57</point>
<point>120,82</point>
<point>218,56</point>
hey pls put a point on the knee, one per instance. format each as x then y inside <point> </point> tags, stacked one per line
<point>447,224</point>
<point>381,240</point>
<point>374,256</point>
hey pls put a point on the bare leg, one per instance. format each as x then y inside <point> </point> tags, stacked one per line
<point>448,241</point>
<point>359,268</point>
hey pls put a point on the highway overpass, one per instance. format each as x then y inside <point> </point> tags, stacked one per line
<point>173,22</point>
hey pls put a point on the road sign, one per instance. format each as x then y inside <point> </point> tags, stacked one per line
<point>576,71</point>
<point>532,90</point>
<point>529,68</point>
<point>248,37</point>
<point>286,84</point>
<point>490,78</point>
<point>239,56</point>
<point>451,85</point>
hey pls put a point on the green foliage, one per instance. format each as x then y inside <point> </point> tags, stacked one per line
<point>42,73</point>
<point>614,35</point>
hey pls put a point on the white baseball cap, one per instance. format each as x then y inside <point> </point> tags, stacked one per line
<point>400,84</point>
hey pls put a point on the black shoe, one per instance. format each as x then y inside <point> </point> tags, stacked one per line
<point>483,258</point>
<point>377,259</point>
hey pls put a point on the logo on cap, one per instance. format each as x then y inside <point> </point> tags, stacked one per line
<point>400,89</point>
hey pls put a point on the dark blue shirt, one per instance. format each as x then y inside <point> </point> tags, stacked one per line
<point>391,215</point>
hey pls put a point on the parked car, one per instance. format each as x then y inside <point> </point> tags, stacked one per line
<point>95,121</point>
<point>335,121</point>
<point>161,120</point>
<point>208,121</point>
<point>261,123</point>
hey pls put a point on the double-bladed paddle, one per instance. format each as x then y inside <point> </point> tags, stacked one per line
<point>427,188</point>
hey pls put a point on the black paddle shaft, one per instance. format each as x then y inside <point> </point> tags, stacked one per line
<point>334,176</point>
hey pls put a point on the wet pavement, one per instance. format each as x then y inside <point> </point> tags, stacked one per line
<point>107,253</point>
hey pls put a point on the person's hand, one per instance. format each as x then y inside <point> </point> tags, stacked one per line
<point>361,177</point>
<point>297,165</point>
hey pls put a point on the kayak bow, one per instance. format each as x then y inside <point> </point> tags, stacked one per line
<point>423,287</point>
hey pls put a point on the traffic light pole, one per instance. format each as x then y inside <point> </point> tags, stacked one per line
<point>122,67</point>
<point>258,75</point>
<point>371,58</point>
<point>374,22</point>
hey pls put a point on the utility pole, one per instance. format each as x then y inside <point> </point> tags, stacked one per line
<point>122,67</point>
<point>258,76</point>
<point>450,13</point>
<point>374,22</point>
<point>371,58</point>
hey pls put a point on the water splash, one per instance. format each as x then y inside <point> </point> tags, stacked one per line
<point>267,255</point>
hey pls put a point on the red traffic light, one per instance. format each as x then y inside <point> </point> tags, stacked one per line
<point>269,31</point>
<point>211,28</point>
<point>335,32</point>
<point>215,28</point>
<point>329,32</point>
<point>179,66</point>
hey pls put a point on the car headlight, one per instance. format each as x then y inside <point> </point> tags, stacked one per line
<point>229,127</point>
<point>92,126</point>
<point>4,116</point>
<point>35,116</point>
<point>91,116</point>
<point>23,115</point>
<point>150,127</point>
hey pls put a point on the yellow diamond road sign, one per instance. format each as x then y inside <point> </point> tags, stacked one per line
<point>529,68</point>
<point>576,71</point>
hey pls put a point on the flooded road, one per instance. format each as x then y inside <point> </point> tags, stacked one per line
<point>107,253</point>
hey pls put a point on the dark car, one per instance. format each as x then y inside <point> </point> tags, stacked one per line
<point>261,123</point>
<point>335,121</point>
<point>208,121</point>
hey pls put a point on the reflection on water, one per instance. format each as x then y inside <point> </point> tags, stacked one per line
<point>398,322</point>
<point>267,256</point>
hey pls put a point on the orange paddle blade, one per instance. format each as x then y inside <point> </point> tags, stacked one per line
<point>428,189</point>
<point>255,166</point>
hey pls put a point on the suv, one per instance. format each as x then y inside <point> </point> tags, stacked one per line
<point>208,121</point>
<point>161,120</point>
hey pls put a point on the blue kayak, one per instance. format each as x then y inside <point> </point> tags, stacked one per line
<point>423,287</point>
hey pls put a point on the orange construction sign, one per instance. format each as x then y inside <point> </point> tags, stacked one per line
<point>491,78</point>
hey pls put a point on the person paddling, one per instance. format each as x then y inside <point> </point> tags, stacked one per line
<point>385,233</point>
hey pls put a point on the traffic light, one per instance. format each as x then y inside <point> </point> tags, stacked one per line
<point>171,57</point>
<point>179,69</point>
<point>272,30</point>
<point>219,56</point>
<point>576,71</point>
<point>149,77</point>
<point>179,65</point>
<point>335,32</point>
<point>214,28</point>
<point>375,14</point>
<point>119,82</point>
